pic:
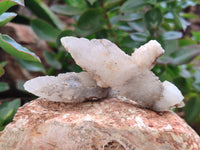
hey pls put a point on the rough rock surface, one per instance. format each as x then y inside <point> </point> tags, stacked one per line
<point>110,124</point>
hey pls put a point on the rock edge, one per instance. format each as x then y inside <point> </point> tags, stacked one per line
<point>99,125</point>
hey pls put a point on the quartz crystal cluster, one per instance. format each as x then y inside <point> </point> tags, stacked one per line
<point>109,70</point>
<point>66,87</point>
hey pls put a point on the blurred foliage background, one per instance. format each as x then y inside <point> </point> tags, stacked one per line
<point>128,23</point>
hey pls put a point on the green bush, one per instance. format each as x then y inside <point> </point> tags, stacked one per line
<point>8,109</point>
<point>129,23</point>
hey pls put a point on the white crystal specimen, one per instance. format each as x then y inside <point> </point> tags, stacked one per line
<point>109,67</point>
<point>147,54</point>
<point>171,97</point>
<point>101,58</point>
<point>129,76</point>
<point>66,87</point>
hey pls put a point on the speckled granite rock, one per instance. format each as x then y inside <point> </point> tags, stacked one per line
<point>110,124</point>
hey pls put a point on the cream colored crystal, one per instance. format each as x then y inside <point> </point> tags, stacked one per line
<point>147,54</point>
<point>129,76</point>
<point>66,87</point>
<point>108,68</point>
<point>171,97</point>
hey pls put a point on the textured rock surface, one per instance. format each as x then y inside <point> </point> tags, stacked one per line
<point>110,124</point>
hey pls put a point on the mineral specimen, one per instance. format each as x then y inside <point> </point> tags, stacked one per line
<point>66,87</point>
<point>108,67</point>
<point>129,76</point>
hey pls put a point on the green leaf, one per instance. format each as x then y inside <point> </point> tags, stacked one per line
<point>80,32</point>
<point>63,34</point>
<point>114,20</point>
<point>131,16</point>
<point>41,10</point>
<point>185,54</point>
<point>153,19</point>
<point>20,85</point>
<point>197,75</point>
<point>186,41</point>
<point>76,68</point>
<point>153,2</point>
<point>164,1</point>
<point>8,109</point>
<point>177,20</point>
<point>128,45</point>
<point>185,4</point>
<point>4,86</point>
<point>6,4</point>
<point>110,4</point>
<point>192,109</point>
<point>51,60</point>
<point>172,35</point>
<point>92,19</point>
<point>174,71</point>
<point>169,15</point>
<point>102,34</point>
<point>137,25</point>
<point>132,5</point>
<point>196,36</point>
<point>171,46</point>
<point>181,83</point>
<point>76,3</point>
<point>6,17</point>
<point>164,60</point>
<point>1,71</point>
<point>91,1</point>
<point>165,76</point>
<point>189,15</point>
<point>3,63</point>
<point>125,28</point>
<point>8,116</point>
<point>180,22</point>
<point>66,10</point>
<point>139,36</point>
<point>184,23</point>
<point>44,30</point>
<point>15,49</point>
<point>196,83</point>
<point>184,72</point>
<point>31,66</point>
<point>22,19</point>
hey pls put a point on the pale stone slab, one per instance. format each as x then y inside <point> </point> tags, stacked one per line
<point>110,124</point>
